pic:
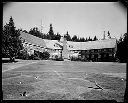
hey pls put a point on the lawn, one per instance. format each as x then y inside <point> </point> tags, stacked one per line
<point>46,82</point>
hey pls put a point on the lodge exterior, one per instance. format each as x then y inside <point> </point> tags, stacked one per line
<point>100,50</point>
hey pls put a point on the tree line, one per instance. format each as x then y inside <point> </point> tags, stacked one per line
<point>122,49</point>
<point>12,45</point>
<point>52,36</point>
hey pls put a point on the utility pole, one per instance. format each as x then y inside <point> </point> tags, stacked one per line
<point>41,26</point>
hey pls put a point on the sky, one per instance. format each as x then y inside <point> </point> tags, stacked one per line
<point>82,19</point>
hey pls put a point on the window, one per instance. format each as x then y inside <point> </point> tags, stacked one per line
<point>106,49</point>
<point>87,56</point>
<point>99,56</point>
<point>110,55</point>
<point>99,50</point>
<point>92,51</point>
<point>87,51</point>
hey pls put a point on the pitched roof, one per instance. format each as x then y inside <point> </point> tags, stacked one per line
<point>99,44</point>
<point>52,44</point>
<point>32,39</point>
<point>55,44</point>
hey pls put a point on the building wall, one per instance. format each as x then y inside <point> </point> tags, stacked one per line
<point>106,54</point>
<point>96,55</point>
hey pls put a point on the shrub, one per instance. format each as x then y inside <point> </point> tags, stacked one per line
<point>44,55</point>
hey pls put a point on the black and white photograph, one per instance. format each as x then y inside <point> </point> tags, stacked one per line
<point>64,51</point>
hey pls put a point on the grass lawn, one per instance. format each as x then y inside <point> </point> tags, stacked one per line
<point>58,83</point>
<point>13,85</point>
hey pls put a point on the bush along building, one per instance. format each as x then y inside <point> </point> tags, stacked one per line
<point>96,51</point>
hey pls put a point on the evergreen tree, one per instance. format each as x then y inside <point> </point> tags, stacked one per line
<point>86,39</point>
<point>82,39</point>
<point>89,39</point>
<point>11,44</point>
<point>74,38</point>
<point>95,38</point>
<point>122,48</point>
<point>35,31</point>
<point>58,36</point>
<point>121,39</point>
<point>51,33</point>
<point>109,36</point>
<point>67,36</point>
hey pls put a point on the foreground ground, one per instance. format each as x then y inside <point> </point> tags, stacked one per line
<point>63,80</point>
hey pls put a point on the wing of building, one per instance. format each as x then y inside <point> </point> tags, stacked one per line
<point>32,39</point>
<point>100,50</point>
<point>32,43</point>
<point>38,44</point>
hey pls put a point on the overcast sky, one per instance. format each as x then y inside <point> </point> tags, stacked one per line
<point>81,19</point>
